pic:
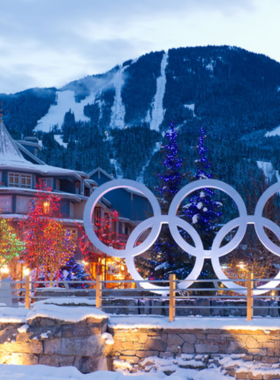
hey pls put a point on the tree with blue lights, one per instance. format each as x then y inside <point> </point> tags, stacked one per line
<point>203,210</point>
<point>167,257</point>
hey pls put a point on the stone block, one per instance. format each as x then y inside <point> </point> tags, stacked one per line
<point>146,354</point>
<point>51,360</point>
<point>251,342</point>
<point>32,347</point>
<point>206,348</point>
<point>130,359</point>
<point>66,360</point>
<point>188,348</point>
<point>189,338</point>
<point>174,340</point>
<point>18,358</point>
<point>258,351</point>
<point>155,345</point>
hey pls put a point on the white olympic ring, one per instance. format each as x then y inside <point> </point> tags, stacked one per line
<point>155,222</point>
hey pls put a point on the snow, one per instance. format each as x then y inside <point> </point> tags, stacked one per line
<point>195,219</point>
<point>68,314</point>
<point>199,205</point>
<point>140,178</point>
<point>157,105</point>
<point>118,109</point>
<point>275,132</point>
<point>144,321</point>
<point>43,372</point>
<point>164,265</point>
<point>191,108</point>
<point>59,139</point>
<point>56,113</point>
<point>268,170</point>
<point>117,167</point>
<point>108,338</point>
<point>23,329</point>
<point>13,315</point>
<point>44,336</point>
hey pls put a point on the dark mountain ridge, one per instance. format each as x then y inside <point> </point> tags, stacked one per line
<point>233,93</point>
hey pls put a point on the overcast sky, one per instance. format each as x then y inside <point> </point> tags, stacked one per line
<point>45,43</point>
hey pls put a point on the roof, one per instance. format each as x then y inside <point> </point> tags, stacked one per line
<point>11,158</point>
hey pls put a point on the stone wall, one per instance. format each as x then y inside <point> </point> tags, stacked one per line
<point>56,343</point>
<point>133,345</point>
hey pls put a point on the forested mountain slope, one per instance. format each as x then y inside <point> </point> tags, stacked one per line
<point>116,120</point>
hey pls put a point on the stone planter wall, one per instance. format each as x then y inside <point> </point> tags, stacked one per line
<point>56,343</point>
<point>132,345</point>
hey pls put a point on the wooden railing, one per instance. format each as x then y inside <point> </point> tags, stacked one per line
<point>28,291</point>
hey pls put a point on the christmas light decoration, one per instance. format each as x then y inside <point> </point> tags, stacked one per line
<point>10,247</point>
<point>48,243</point>
<point>203,210</point>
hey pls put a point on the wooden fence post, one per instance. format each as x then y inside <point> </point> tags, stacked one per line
<point>172,287</point>
<point>98,292</point>
<point>27,292</point>
<point>249,296</point>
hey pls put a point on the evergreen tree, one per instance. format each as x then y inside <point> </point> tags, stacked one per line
<point>203,210</point>
<point>72,271</point>
<point>167,257</point>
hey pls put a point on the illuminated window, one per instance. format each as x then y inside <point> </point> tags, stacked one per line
<point>46,206</point>
<point>20,180</point>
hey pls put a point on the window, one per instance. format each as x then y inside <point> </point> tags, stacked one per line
<point>57,184</point>
<point>6,203</point>
<point>47,182</point>
<point>46,206</point>
<point>22,204</point>
<point>71,210</point>
<point>20,180</point>
<point>77,187</point>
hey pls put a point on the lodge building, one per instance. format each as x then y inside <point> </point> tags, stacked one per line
<point>21,170</point>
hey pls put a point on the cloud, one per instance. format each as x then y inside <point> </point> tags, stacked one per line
<point>49,43</point>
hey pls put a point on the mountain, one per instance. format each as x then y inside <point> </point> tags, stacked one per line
<point>115,120</point>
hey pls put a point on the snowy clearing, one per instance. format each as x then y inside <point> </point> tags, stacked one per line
<point>65,102</point>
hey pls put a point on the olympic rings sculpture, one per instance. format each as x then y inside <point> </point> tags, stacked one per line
<point>157,220</point>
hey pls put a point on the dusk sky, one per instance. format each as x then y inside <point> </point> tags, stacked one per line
<point>45,43</point>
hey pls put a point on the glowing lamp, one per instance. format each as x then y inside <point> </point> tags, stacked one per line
<point>26,272</point>
<point>4,269</point>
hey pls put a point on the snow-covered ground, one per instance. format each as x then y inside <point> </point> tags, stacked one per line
<point>41,372</point>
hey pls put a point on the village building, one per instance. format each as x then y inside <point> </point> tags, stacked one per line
<point>20,172</point>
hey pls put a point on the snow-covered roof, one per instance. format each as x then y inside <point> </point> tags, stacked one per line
<point>11,158</point>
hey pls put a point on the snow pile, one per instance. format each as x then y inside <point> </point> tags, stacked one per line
<point>13,315</point>
<point>23,329</point>
<point>108,338</point>
<point>68,314</point>
<point>157,108</point>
